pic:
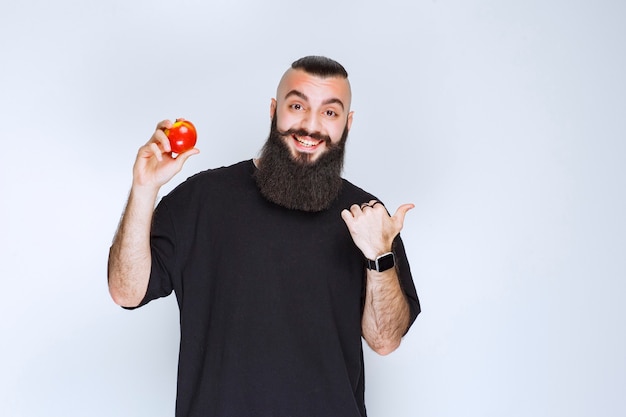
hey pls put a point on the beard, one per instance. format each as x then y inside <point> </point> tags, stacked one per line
<point>298,183</point>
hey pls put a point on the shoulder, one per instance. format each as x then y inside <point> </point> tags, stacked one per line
<point>243,169</point>
<point>215,180</point>
<point>212,185</point>
<point>352,194</point>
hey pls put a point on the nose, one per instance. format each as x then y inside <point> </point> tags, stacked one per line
<point>312,123</point>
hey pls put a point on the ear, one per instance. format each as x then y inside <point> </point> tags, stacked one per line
<point>349,122</point>
<point>272,108</point>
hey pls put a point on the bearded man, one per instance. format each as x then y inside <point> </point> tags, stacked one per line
<point>279,265</point>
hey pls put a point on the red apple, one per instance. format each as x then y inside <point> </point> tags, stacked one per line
<point>182,136</point>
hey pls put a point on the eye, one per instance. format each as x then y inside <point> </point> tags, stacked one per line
<point>330,113</point>
<point>296,106</point>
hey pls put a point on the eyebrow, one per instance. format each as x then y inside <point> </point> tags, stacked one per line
<point>304,97</point>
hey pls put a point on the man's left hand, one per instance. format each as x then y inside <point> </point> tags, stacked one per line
<point>372,228</point>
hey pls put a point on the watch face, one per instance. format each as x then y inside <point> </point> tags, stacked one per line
<point>386,262</point>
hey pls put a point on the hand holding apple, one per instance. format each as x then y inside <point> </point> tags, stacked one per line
<point>164,155</point>
<point>182,136</point>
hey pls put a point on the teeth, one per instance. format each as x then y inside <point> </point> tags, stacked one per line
<point>306,143</point>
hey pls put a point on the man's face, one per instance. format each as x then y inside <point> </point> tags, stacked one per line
<point>311,112</point>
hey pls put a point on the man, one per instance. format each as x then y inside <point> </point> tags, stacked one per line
<point>279,266</point>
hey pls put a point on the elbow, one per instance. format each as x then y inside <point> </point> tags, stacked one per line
<point>385,347</point>
<point>126,289</point>
<point>123,297</point>
<point>123,300</point>
<point>388,348</point>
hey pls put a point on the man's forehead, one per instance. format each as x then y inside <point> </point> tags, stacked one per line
<point>297,79</point>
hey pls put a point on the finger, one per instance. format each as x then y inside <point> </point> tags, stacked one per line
<point>164,124</point>
<point>401,212</point>
<point>347,216</point>
<point>378,205</point>
<point>181,158</point>
<point>355,209</point>
<point>161,138</point>
<point>156,151</point>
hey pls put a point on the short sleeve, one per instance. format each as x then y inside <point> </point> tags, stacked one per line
<point>162,249</point>
<point>406,280</point>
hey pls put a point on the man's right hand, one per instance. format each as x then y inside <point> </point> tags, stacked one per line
<point>155,165</point>
<point>130,258</point>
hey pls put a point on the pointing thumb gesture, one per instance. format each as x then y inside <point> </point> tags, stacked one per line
<point>371,227</point>
<point>398,217</point>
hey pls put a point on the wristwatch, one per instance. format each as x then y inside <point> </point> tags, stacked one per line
<point>382,263</point>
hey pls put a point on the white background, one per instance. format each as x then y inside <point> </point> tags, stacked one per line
<point>503,121</point>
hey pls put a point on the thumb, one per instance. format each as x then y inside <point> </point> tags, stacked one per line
<point>401,212</point>
<point>181,158</point>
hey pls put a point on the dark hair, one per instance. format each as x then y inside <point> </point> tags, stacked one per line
<point>320,66</point>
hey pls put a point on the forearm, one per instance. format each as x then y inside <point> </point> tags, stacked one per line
<point>386,311</point>
<point>129,257</point>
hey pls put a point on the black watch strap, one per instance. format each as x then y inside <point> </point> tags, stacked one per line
<point>382,263</point>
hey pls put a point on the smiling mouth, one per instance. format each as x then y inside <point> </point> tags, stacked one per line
<point>306,142</point>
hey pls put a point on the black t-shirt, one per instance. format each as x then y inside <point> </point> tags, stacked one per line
<point>270,299</point>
